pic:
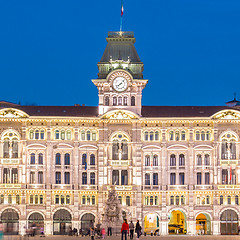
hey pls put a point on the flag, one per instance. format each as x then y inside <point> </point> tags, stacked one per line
<point>230,174</point>
<point>85,165</point>
<point>121,8</point>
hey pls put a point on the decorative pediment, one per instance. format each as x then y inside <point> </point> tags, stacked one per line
<point>12,113</point>
<point>120,115</point>
<point>227,115</point>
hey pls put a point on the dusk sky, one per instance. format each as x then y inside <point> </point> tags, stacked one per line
<point>50,49</point>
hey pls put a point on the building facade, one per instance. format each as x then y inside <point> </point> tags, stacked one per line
<point>176,169</point>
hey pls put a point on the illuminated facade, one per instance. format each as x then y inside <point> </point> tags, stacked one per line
<point>176,169</point>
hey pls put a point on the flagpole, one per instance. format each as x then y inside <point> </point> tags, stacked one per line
<point>121,15</point>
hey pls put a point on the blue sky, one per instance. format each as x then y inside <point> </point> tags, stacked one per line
<point>49,49</point>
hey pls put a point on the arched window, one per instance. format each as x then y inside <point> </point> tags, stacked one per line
<point>6,145</point>
<point>40,158</point>
<point>151,200</point>
<point>88,200</point>
<point>156,200</point>
<point>232,149</point>
<point>181,160</point>
<point>155,160</point>
<point>84,178</point>
<point>151,136</point>
<point>57,134</point>
<point>128,201</point>
<point>236,200</point>
<point>69,135</point>
<point>207,200</point>
<point>42,134</point>
<point>206,159</point>
<point>83,136</point>
<point>177,200</point>
<point>199,160</point>
<point>107,101</point>
<point>120,199</point>
<point>88,135</point>
<point>171,200</point>
<point>120,101</point>
<point>183,135</point>
<point>68,199</point>
<point>94,136</point>
<point>36,199</point>
<point>92,159</point>
<point>41,199</point>
<point>202,135</point>
<point>229,199</point>
<point>58,159</point>
<point>132,101</point>
<point>84,159</point>
<point>32,158</point>
<point>83,200</point>
<point>146,200</point>
<point>93,200</point>
<point>147,179</point>
<point>37,134</point>
<point>40,177</point>
<point>14,148</point>
<point>197,135</point>
<point>67,158</point>
<point>9,199</point>
<point>1,199</point>
<point>208,137</point>
<point>31,134</point>
<point>62,135</point>
<point>17,199</point>
<point>147,160</point>
<point>146,136</point>
<point>171,136</point>
<point>125,101</point>
<point>224,149</point>
<point>182,200</point>
<point>62,199</point>
<point>224,176</point>
<point>172,160</point>
<point>156,136</point>
<point>221,200</point>
<point>31,199</point>
<point>177,136</point>
<point>92,178</point>
<point>114,101</point>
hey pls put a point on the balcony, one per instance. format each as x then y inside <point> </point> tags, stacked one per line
<point>123,188</point>
<point>151,187</point>
<point>88,187</point>
<point>229,162</point>
<point>35,186</point>
<point>177,187</point>
<point>62,186</point>
<point>228,186</point>
<point>10,161</point>
<point>120,163</point>
<point>203,187</point>
<point>10,185</point>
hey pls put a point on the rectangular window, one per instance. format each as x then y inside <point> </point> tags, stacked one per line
<point>147,179</point>
<point>32,177</point>
<point>67,177</point>
<point>84,178</point>
<point>181,178</point>
<point>115,177</point>
<point>58,178</point>
<point>155,179</point>
<point>207,178</point>
<point>199,178</point>
<point>124,177</point>
<point>40,177</point>
<point>172,178</point>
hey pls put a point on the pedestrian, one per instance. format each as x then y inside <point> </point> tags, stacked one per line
<point>92,233</point>
<point>125,229</point>
<point>1,230</point>
<point>138,229</point>
<point>109,228</point>
<point>131,228</point>
<point>103,232</point>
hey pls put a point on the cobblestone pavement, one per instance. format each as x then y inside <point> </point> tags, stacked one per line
<point>118,237</point>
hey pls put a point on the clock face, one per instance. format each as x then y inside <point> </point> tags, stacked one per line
<point>120,84</point>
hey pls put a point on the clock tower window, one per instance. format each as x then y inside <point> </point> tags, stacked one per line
<point>106,101</point>
<point>114,101</point>
<point>120,101</point>
<point>125,101</point>
<point>132,101</point>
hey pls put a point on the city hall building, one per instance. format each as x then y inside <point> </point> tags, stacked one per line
<point>176,169</point>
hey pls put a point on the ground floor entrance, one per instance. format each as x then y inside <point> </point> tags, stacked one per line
<point>177,222</point>
<point>151,224</point>
<point>62,222</point>
<point>203,224</point>
<point>10,220</point>
<point>87,221</point>
<point>229,222</point>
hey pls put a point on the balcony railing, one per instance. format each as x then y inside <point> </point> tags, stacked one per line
<point>228,186</point>
<point>10,185</point>
<point>229,162</point>
<point>123,188</point>
<point>176,187</point>
<point>121,34</point>
<point>203,187</point>
<point>10,161</point>
<point>123,163</point>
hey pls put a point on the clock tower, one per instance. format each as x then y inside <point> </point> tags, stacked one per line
<point>120,81</point>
